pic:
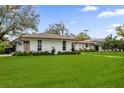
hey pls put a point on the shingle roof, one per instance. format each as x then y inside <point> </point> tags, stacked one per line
<point>47,36</point>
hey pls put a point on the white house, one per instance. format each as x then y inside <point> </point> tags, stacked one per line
<point>44,42</point>
<point>84,45</point>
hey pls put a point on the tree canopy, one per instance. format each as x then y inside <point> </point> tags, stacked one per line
<point>82,36</point>
<point>16,20</point>
<point>120,30</point>
<point>60,29</point>
<point>112,43</point>
<point>57,28</point>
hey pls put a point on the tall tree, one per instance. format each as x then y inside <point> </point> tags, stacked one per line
<point>83,36</point>
<point>16,20</point>
<point>71,35</point>
<point>57,28</point>
<point>120,30</point>
<point>110,42</point>
<point>120,44</point>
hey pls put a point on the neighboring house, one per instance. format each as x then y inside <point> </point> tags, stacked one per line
<point>44,42</point>
<point>84,45</point>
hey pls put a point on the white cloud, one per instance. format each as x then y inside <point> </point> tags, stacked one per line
<point>116,12</point>
<point>89,8</point>
<point>72,22</point>
<point>115,25</point>
<point>105,14</point>
<point>110,30</point>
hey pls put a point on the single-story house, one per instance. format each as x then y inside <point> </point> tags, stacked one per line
<point>46,42</point>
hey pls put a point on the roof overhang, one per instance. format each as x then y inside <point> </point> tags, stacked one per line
<point>28,38</point>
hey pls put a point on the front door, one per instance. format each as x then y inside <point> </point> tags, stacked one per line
<point>26,46</point>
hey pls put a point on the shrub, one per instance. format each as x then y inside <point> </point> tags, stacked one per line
<point>89,50</point>
<point>53,50</point>
<point>6,47</point>
<point>77,52</point>
<point>2,47</point>
<point>19,53</point>
<point>46,53</point>
<point>1,51</point>
<point>35,53</point>
<point>69,53</point>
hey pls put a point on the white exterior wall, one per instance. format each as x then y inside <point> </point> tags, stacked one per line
<point>19,46</point>
<point>47,45</point>
<point>33,45</point>
<point>83,46</point>
<point>77,46</point>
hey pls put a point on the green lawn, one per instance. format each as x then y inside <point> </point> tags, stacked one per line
<point>106,53</point>
<point>76,71</point>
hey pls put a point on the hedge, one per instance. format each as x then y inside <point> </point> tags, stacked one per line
<point>69,53</point>
<point>19,53</point>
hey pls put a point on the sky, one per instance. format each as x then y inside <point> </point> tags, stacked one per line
<point>100,20</point>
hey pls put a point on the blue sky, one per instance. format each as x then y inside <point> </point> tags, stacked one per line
<point>99,20</point>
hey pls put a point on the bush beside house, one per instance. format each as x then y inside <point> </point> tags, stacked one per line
<point>19,53</point>
<point>69,53</point>
<point>2,47</point>
<point>6,47</point>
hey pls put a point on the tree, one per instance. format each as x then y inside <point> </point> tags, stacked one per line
<point>120,44</point>
<point>58,28</point>
<point>104,45</point>
<point>120,30</point>
<point>17,20</point>
<point>110,42</point>
<point>82,36</point>
<point>2,46</point>
<point>69,34</point>
<point>97,47</point>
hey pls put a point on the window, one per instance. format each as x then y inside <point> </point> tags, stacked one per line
<point>64,45</point>
<point>39,47</point>
<point>86,45</point>
<point>73,47</point>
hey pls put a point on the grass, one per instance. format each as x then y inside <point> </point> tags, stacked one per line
<point>121,54</point>
<point>61,71</point>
